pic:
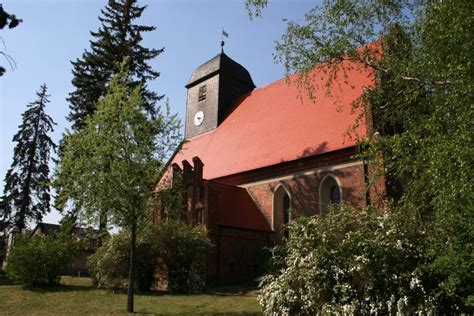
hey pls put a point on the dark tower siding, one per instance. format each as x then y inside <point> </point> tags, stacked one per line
<point>225,81</point>
<point>229,90</point>
<point>209,107</point>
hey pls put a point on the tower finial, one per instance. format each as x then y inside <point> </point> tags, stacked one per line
<point>224,33</point>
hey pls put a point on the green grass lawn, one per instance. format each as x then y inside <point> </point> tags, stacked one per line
<point>76,296</point>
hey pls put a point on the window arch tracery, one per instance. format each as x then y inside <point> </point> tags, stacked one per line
<point>329,193</point>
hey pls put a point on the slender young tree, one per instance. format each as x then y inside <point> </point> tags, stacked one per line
<point>116,160</point>
<point>118,37</point>
<point>27,184</point>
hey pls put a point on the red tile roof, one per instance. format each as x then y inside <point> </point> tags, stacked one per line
<point>279,123</point>
<point>235,207</point>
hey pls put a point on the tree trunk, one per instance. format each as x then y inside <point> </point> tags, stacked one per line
<point>131,271</point>
<point>102,227</point>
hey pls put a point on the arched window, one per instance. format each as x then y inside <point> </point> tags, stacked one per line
<point>335,196</point>
<point>286,212</point>
<point>281,210</point>
<point>329,193</point>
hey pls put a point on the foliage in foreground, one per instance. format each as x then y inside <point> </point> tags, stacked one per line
<point>356,262</point>
<point>423,111</point>
<point>40,261</point>
<point>181,248</point>
<point>119,36</point>
<point>114,163</point>
<point>109,265</point>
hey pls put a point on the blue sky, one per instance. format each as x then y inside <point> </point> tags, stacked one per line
<point>54,32</point>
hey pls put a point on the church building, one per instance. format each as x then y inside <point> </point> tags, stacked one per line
<point>255,158</point>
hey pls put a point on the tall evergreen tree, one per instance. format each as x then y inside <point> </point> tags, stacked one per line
<point>118,37</point>
<point>26,188</point>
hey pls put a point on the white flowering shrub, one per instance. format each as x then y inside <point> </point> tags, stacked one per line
<point>348,262</point>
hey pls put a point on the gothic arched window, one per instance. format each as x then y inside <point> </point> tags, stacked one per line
<point>281,210</point>
<point>335,196</point>
<point>286,212</point>
<point>329,193</point>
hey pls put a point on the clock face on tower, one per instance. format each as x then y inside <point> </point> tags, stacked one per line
<point>198,118</point>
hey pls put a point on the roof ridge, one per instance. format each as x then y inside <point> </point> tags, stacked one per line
<point>225,185</point>
<point>273,82</point>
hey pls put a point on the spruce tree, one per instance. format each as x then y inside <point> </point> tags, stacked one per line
<point>26,190</point>
<point>117,38</point>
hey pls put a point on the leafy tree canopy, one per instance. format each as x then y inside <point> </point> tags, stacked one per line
<point>422,109</point>
<point>8,19</point>
<point>118,37</point>
<point>115,161</point>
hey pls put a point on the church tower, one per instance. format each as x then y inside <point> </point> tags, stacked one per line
<point>212,90</point>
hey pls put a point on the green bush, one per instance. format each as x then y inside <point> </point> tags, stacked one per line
<point>109,264</point>
<point>39,261</point>
<point>350,262</point>
<point>184,251</point>
<point>181,248</point>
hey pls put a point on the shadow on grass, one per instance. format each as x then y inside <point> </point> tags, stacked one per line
<point>224,290</point>
<point>61,288</point>
<point>246,289</point>
<point>222,314</point>
<point>203,314</point>
<point>5,281</point>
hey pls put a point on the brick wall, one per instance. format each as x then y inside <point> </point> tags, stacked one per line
<point>303,190</point>
<point>239,249</point>
<point>238,255</point>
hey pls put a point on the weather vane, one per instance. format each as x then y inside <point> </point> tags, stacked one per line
<point>224,33</point>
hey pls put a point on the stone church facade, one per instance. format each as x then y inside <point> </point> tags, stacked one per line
<point>254,159</point>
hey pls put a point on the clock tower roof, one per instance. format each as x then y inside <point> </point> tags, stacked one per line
<point>220,64</point>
